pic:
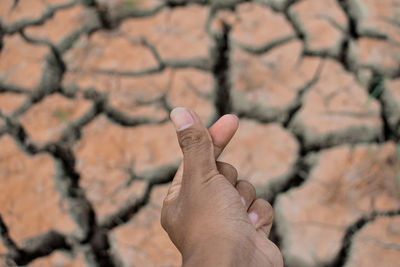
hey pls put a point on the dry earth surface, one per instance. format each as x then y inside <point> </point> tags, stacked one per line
<point>87,152</point>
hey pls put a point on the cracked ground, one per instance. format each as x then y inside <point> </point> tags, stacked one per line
<point>87,150</point>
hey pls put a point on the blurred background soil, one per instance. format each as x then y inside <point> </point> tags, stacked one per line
<point>87,151</point>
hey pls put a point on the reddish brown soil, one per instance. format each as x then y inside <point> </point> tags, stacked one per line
<point>318,102</point>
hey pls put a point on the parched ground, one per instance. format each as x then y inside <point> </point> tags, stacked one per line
<point>87,151</point>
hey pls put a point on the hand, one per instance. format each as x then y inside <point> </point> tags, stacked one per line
<point>213,219</point>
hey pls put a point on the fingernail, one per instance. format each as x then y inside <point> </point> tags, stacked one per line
<point>253,217</point>
<point>181,118</point>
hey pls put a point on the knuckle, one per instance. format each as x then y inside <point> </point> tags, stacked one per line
<point>213,177</point>
<point>270,212</point>
<point>191,139</point>
<point>269,207</point>
<point>227,168</point>
<point>246,185</point>
<point>266,209</point>
<point>162,221</point>
<point>266,205</point>
<point>231,169</point>
<point>165,223</point>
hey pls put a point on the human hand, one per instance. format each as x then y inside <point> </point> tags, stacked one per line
<point>213,219</point>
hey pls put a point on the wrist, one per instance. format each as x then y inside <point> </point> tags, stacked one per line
<point>222,252</point>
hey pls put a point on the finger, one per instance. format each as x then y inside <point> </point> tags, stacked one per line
<point>228,171</point>
<point>266,229</point>
<point>247,192</point>
<point>196,145</point>
<point>261,215</point>
<point>222,132</point>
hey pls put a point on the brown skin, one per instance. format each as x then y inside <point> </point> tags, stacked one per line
<point>213,219</point>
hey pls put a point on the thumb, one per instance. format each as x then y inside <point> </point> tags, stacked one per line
<point>196,145</point>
